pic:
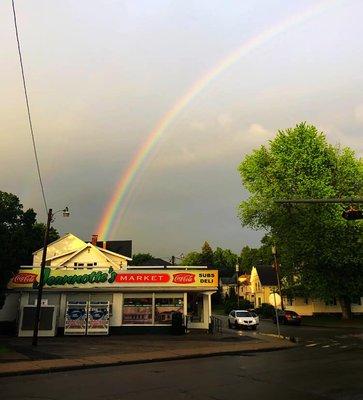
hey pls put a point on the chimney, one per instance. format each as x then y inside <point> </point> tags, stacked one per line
<point>104,245</point>
<point>94,240</point>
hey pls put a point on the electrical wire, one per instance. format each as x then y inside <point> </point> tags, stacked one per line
<point>28,109</point>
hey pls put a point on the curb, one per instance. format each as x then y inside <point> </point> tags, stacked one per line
<point>74,367</point>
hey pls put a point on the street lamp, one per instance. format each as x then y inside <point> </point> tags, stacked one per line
<point>276,265</point>
<point>237,270</point>
<point>50,219</point>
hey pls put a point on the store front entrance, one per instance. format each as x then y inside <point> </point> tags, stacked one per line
<point>195,308</point>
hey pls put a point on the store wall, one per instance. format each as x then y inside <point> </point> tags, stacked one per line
<point>9,311</point>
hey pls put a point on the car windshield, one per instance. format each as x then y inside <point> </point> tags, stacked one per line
<point>243,314</point>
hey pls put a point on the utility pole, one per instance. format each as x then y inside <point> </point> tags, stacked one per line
<point>40,286</point>
<point>277,316</point>
<point>42,269</point>
<point>277,269</point>
<point>237,271</point>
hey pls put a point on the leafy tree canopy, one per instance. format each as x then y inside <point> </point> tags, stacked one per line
<point>317,246</point>
<point>20,236</point>
<point>140,258</point>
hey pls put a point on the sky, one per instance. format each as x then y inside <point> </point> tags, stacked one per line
<point>101,74</point>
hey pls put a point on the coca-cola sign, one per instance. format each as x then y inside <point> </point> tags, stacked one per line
<point>183,278</point>
<point>24,278</point>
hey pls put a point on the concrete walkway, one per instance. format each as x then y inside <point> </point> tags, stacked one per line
<point>70,353</point>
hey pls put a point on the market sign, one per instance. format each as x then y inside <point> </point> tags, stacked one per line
<point>109,278</point>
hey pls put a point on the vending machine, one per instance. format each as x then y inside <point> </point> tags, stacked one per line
<point>98,318</point>
<point>75,322</point>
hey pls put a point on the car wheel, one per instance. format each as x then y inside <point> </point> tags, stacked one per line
<point>254,327</point>
<point>236,325</point>
<point>229,324</point>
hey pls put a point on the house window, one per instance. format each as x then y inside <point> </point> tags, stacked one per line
<point>77,264</point>
<point>259,301</point>
<point>290,301</point>
<point>306,300</point>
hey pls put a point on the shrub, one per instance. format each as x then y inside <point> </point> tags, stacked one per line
<point>265,310</point>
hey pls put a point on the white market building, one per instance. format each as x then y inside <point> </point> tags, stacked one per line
<point>80,274</point>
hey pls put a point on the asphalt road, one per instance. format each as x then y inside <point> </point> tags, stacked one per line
<point>338,338</point>
<point>327,364</point>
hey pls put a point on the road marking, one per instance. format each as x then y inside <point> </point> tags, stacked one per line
<point>343,347</point>
<point>311,345</point>
<point>326,346</point>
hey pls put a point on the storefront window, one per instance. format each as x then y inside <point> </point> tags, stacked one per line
<point>164,308</point>
<point>137,311</point>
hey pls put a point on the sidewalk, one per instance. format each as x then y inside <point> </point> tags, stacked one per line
<point>70,353</point>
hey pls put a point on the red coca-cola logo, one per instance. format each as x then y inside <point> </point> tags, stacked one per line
<point>183,278</point>
<point>24,278</point>
<point>142,278</point>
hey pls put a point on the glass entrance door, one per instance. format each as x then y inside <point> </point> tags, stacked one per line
<point>195,307</point>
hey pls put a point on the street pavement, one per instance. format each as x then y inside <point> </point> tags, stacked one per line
<point>297,374</point>
<point>326,364</point>
<point>309,337</point>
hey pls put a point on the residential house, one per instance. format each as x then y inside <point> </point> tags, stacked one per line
<point>263,286</point>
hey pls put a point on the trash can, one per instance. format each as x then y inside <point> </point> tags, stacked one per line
<point>177,327</point>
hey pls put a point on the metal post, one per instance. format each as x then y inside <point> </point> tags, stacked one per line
<point>277,316</point>
<point>277,269</point>
<point>237,270</point>
<point>40,287</point>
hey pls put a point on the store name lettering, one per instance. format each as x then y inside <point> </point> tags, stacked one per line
<point>142,278</point>
<point>80,279</point>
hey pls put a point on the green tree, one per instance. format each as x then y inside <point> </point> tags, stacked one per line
<point>140,258</point>
<point>20,236</point>
<point>225,261</point>
<point>251,257</point>
<point>193,258</point>
<point>207,254</point>
<point>319,250</point>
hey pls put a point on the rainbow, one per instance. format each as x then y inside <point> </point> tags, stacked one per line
<point>122,193</point>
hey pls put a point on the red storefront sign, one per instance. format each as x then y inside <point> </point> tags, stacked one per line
<point>142,278</point>
<point>24,277</point>
<point>183,278</point>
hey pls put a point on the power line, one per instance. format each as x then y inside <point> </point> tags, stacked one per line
<point>28,109</point>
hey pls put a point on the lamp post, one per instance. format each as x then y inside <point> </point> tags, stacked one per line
<point>237,270</point>
<point>42,269</point>
<point>276,265</point>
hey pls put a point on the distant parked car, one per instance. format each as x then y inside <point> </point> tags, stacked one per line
<point>287,317</point>
<point>241,319</point>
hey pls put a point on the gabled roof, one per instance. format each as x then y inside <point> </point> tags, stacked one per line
<point>226,280</point>
<point>267,275</point>
<point>88,245</point>
<point>123,247</point>
<point>113,253</point>
<point>158,262</point>
<point>58,240</point>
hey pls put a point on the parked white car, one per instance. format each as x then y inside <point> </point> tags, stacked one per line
<point>241,319</point>
<point>256,317</point>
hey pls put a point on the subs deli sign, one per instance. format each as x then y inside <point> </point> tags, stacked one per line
<point>109,278</point>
